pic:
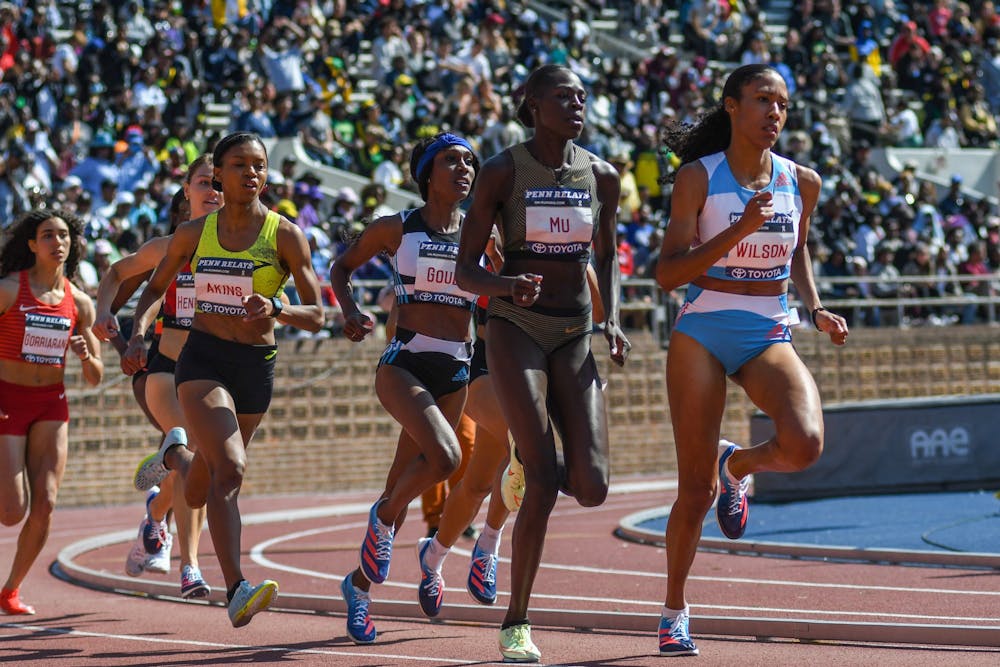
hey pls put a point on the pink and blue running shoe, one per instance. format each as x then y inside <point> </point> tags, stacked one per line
<point>360,627</point>
<point>732,508</point>
<point>430,592</point>
<point>675,639</point>
<point>482,582</point>
<point>376,550</point>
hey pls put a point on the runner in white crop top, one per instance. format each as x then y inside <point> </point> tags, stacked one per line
<point>738,223</point>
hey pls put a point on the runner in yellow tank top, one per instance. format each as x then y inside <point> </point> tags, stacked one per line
<point>240,258</point>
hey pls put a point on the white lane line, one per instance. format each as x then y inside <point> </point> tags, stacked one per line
<point>257,555</point>
<point>234,647</point>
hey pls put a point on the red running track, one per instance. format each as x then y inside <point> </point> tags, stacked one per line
<point>596,599</point>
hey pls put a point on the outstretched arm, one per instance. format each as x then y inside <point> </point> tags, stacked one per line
<point>84,343</point>
<point>802,275</point>
<point>606,258</point>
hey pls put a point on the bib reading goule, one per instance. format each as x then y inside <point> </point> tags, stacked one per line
<point>435,275</point>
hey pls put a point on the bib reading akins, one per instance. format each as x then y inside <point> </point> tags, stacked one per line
<point>45,338</point>
<point>558,221</point>
<point>434,281</point>
<point>221,283</point>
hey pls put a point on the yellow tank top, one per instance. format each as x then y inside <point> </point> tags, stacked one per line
<point>223,277</point>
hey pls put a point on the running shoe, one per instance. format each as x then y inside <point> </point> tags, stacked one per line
<point>512,485</point>
<point>359,623</point>
<point>192,583</point>
<point>152,470</point>
<point>10,603</point>
<point>376,550</point>
<point>430,592</point>
<point>732,508</point>
<point>674,636</point>
<point>516,644</point>
<point>135,562</point>
<point>159,563</point>
<point>482,583</point>
<point>154,533</point>
<point>250,600</point>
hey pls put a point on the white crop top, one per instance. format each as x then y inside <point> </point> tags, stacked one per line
<point>423,268</point>
<point>766,254</point>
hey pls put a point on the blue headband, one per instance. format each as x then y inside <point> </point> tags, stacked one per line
<point>437,146</point>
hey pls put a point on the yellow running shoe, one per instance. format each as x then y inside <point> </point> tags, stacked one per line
<point>512,485</point>
<point>249,600</point>
<point>516,644</point>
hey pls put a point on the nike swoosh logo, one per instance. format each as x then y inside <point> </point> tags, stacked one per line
<point>573,330</point>
<point>577,179</point>
<point>27,308</point>
<point>270,355</point>
<point>62,396</point>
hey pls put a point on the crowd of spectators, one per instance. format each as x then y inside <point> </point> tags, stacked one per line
<point>104,103</point>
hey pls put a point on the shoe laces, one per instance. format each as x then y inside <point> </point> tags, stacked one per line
<point>359,611</point>
<point>431,583</point>
<point>383,540</point>
<point>487,564</point>
<point>736,498</point>
<point>679,627</point>
<point>520,635</point>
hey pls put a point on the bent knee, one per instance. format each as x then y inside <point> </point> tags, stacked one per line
<point>802,449</point>
<point>592,496</point>
<point>228,476</point>
<point>11,516</point>
<point>444,461</point>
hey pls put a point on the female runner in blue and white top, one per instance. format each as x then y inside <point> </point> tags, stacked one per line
<point>424,372</point>
<point>738,227</point>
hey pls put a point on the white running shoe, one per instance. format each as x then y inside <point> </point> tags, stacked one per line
<point>151,470</point>
<point>159,563</point>
<point>135,562</point>
<point>250,600</point>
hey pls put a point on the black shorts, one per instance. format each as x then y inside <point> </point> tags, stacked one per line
<point>246,371</point>
<point>161,363</point>
<point>442,366</point>
<point>478,366</point>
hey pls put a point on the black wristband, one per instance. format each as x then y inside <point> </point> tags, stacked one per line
<point>276,306</point>
<point>813,316</point>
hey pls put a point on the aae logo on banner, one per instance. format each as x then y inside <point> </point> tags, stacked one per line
<point>940,445</point>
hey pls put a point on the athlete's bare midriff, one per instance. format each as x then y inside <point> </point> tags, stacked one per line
<point>743,287</point>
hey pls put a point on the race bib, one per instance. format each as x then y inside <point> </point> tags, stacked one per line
<point>45,339</point>
<point>435,278</point>
<point>185,299</point>
<point>558,221</point>
<point>764,254</point>
<point>221,283</point>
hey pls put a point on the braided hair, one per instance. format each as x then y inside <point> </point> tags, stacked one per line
<point>712,131</point>
<point>17,256</point>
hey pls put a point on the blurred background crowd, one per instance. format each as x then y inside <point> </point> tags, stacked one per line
<point>103,105</point>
